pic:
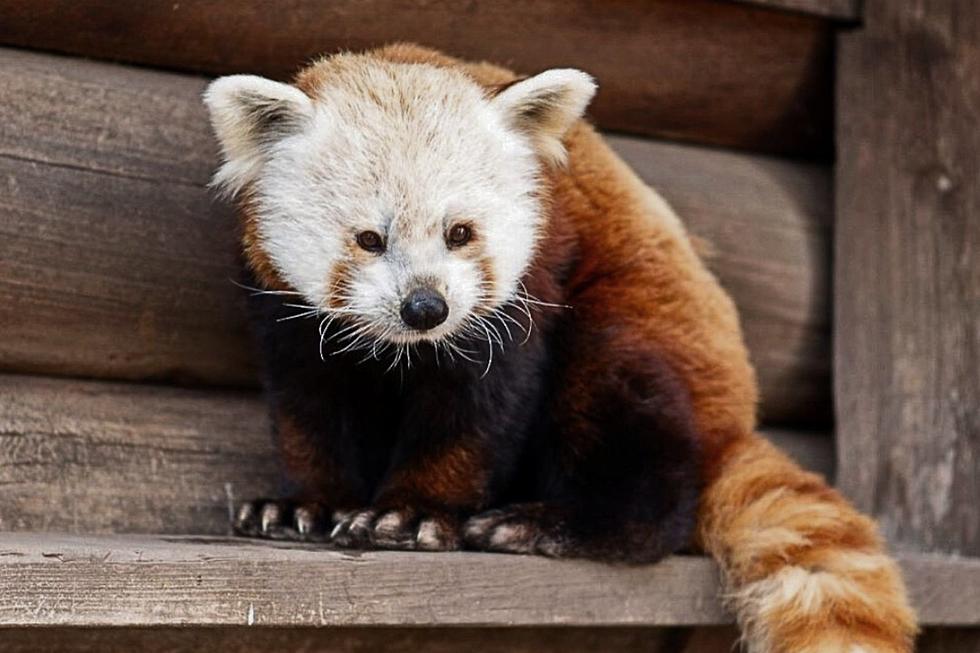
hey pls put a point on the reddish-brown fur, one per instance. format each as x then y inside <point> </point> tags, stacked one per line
<point>320,481</point>
<point>454,476</point>
<point>255,255</point>
<point>652,284</point>
<point>805,572</point>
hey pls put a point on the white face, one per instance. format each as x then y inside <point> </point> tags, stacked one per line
<point>393,180</point>
<point>409,176</point>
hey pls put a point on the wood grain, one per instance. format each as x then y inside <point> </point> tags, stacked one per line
<point>96,457</point>
<point>703,71</point>
<point>907,284</point>
<point>114,260</point>
<point>128,581</point>
<point>52,580</point>
<point>259,639</point>
<point>842,10</point>
<point>116,263</point>
<point>112,457</point>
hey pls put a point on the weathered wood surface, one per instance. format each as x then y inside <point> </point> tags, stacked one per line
<point>768,222</point>
<point>710,72</point>
<point>949,640</point>
<point>136,580</point>
<point>115,262</point>
<point>907,284</point>
<point>141,580</point>
<point>257,639</point>
<point>95,457</point>
<point>112,457</point>
<point>814,450</point>
<point>842,10</point>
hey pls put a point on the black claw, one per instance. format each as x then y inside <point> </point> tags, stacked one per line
<point>398,530</point>
<point>281,520</point>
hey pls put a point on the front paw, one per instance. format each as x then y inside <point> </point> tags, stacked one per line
<point>283,519</point>
<point>518,528</point>
<point>406,529</point>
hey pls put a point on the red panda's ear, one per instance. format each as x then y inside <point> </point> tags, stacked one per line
<point>249,113</point>
<point>544,106</point>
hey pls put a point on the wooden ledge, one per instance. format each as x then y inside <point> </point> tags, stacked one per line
<point>845,11</point>
<point>140,580</point>
<point>51,580</point>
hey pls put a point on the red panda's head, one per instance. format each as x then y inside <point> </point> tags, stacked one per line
<point>402,198</point>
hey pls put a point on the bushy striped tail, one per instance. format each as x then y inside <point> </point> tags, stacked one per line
<point>805,572</point>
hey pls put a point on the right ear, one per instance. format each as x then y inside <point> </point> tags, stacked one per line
<point>248,114</point>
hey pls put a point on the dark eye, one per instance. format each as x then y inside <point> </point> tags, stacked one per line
<point>459,235</point>
<point>371,241</point>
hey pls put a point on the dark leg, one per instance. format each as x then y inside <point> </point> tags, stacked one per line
<point>458,441</point>
<point>321,490</point>
<point>334,421</point>
<point>622,468</point>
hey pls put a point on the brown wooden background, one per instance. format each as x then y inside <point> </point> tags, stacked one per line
<point>826,149</point>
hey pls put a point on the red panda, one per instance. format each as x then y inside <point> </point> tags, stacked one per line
<point>480,329</point>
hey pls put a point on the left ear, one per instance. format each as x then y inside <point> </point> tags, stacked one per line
<point>249,114</point>
<point>543,107</point>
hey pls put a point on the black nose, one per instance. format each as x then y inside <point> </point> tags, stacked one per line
<point>424,308</point>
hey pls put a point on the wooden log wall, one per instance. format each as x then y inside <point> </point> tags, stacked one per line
<point>88,457</point>
<point>907,276</point>
<point>707,71</point>
<point>116,263</point>
<point>97,457</point>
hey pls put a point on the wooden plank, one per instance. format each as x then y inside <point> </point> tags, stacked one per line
<point>699,70</point>
<point>949,640</point>
<point>115,262</point>
<point>110,457</point>
<point>94,457</point>
<point>841,10</point>
<point>907,284</point>
<point>55,580</point>
<point>134,580</point>
<point>243,639</point>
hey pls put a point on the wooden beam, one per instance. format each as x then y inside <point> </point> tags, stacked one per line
<point>840,10</point>
<point>115,262</point>
<point>82,456</point>
<point>114,259</point>
<point>52,580</point>
<point>907,281</point>
<point>699,70</point>
<point>258,639</point>
<point>133,580</point>
<point>95,457</point>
